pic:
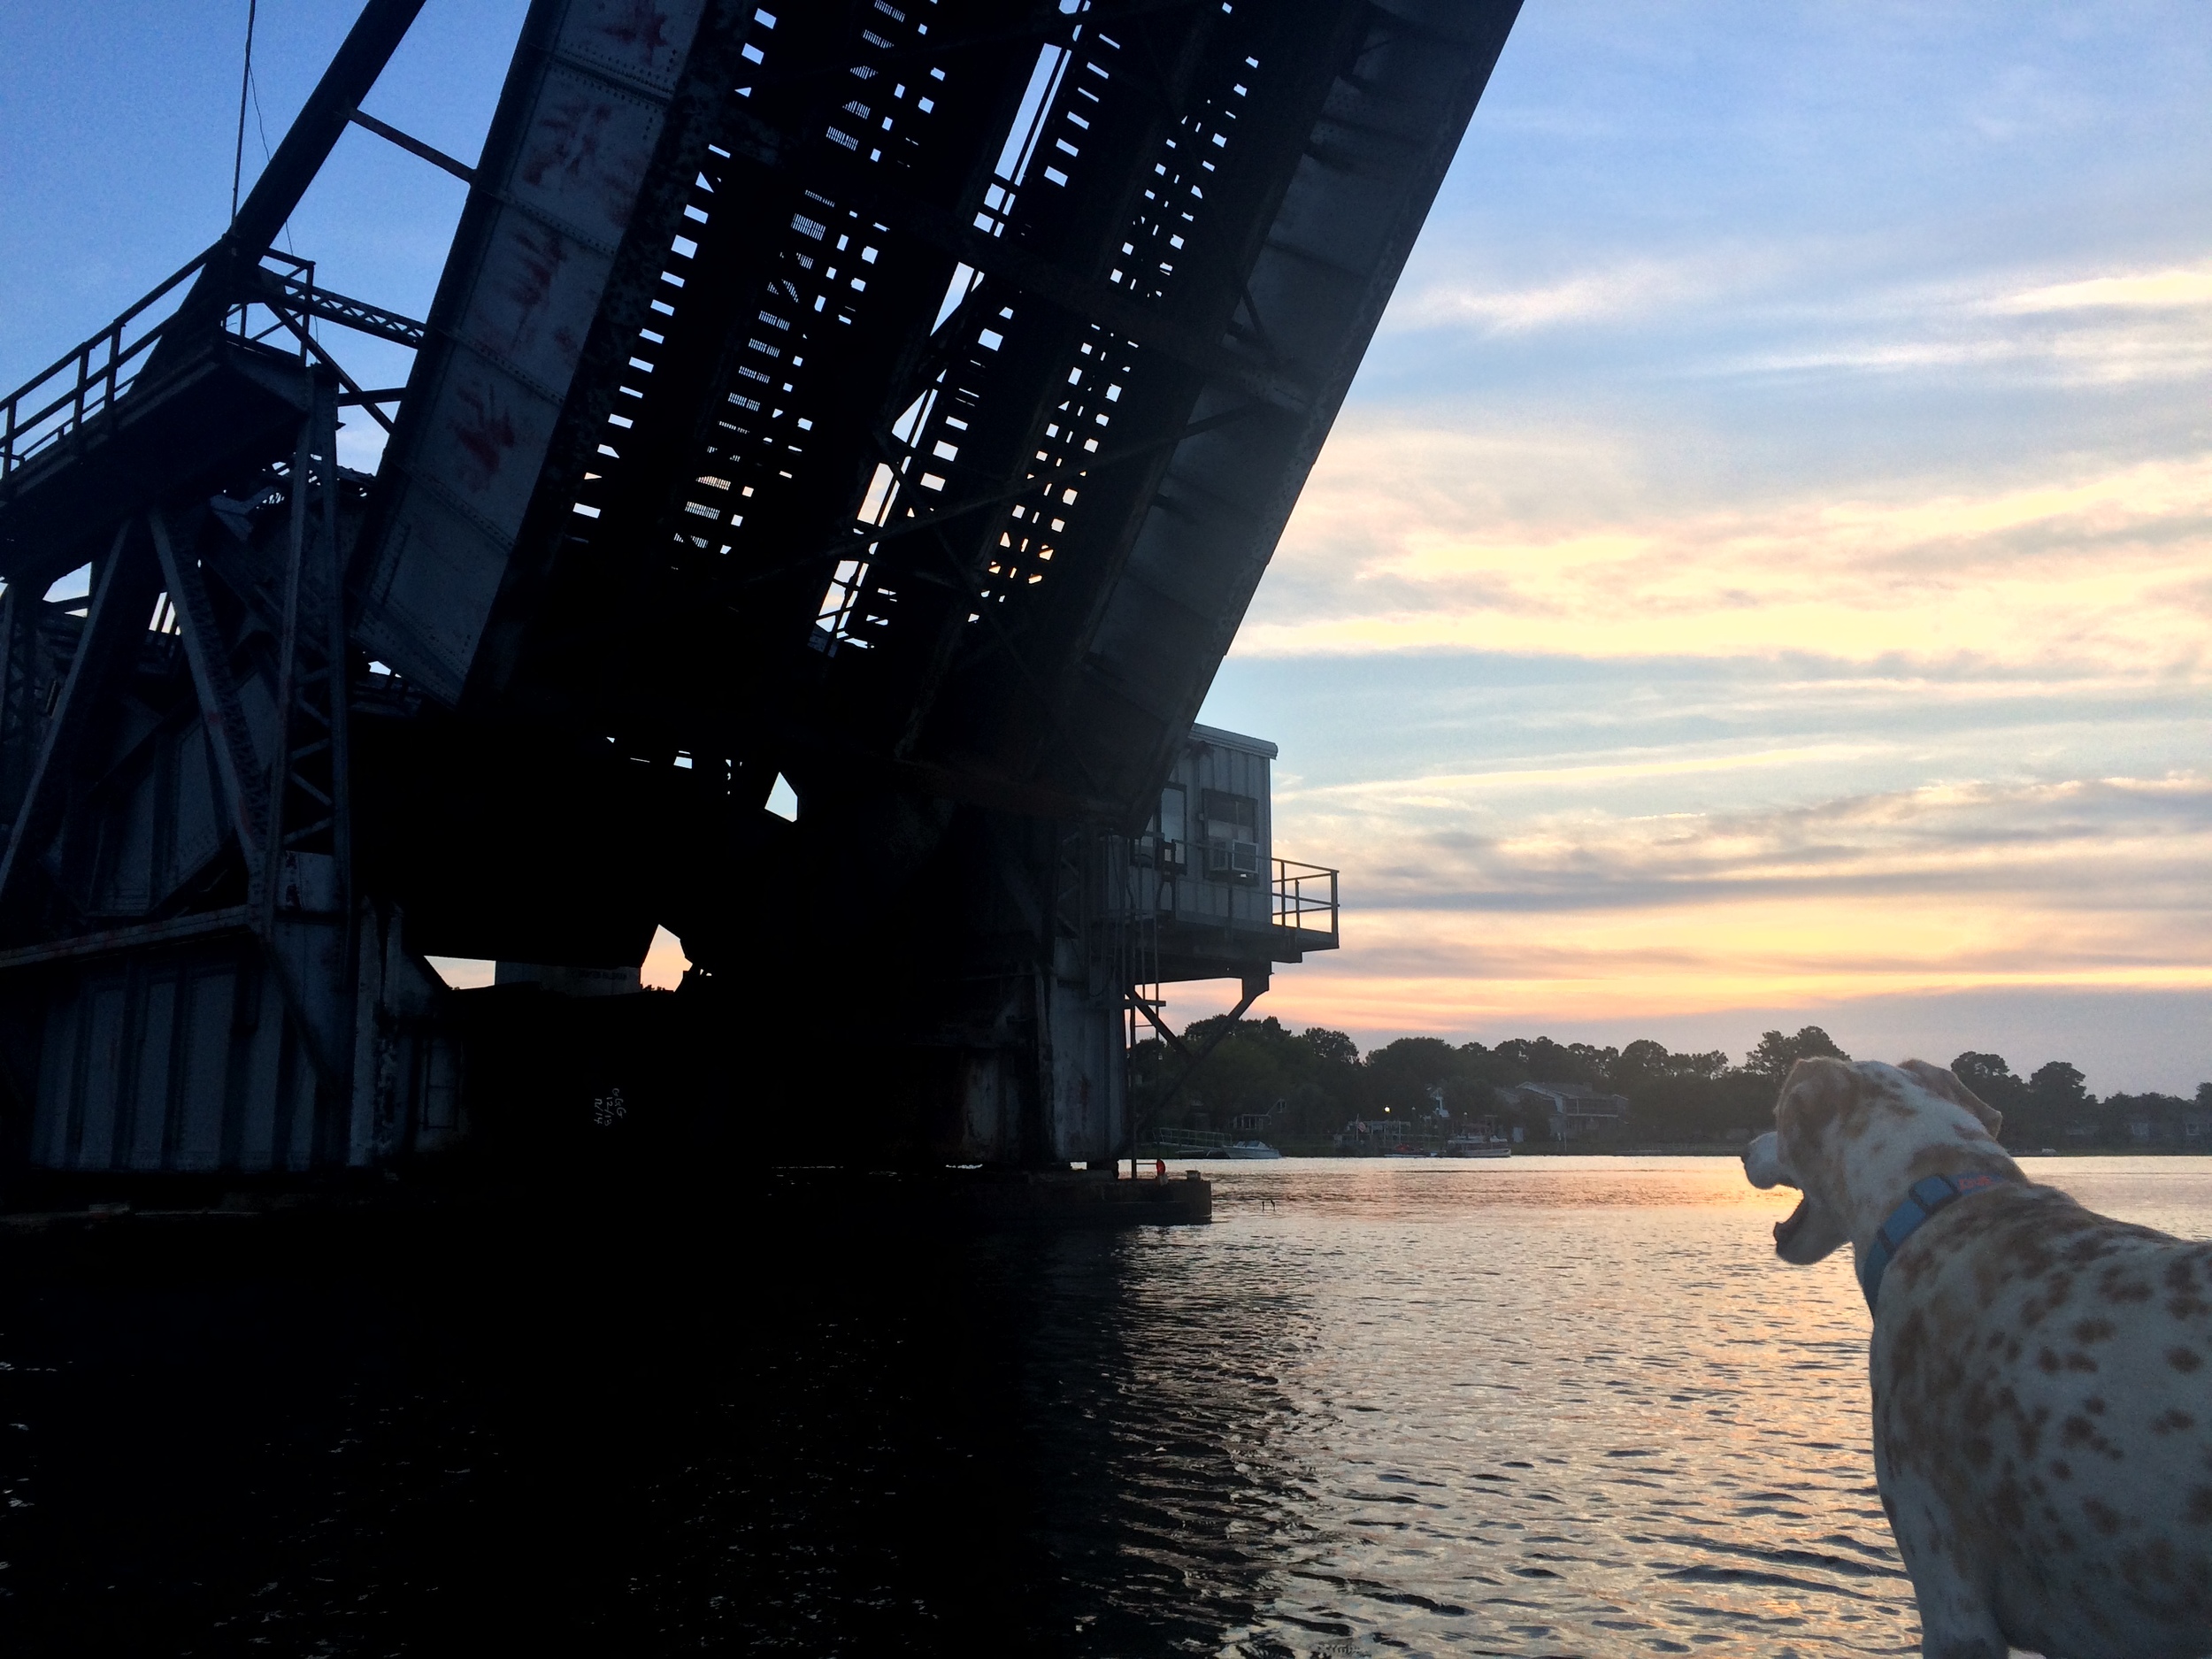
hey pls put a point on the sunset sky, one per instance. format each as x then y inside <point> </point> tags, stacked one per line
<point>1763,571</point>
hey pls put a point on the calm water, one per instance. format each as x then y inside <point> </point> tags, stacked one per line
<point>1545,1406</point>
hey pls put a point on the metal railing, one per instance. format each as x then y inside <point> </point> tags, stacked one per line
<point>84,384</point>
<point>81,384</point>
<point>1299,902</point>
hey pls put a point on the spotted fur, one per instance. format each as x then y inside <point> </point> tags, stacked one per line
<point>2042,1405</point>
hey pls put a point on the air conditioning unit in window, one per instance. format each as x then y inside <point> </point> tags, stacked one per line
<point>1228,860</point>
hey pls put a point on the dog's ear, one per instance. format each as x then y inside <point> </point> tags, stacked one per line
<point>1936,1080</point>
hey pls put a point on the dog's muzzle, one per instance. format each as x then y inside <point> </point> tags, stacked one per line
<point>1763,1168</point>
<point>1763,1165</point>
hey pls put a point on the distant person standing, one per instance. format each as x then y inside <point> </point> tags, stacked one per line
<point>1159,1169</point>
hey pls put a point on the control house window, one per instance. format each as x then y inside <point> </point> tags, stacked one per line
<point>1232,836</point>
<point>1171,829</point>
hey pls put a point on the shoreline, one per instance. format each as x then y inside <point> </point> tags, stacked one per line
<point>1708,1149</point>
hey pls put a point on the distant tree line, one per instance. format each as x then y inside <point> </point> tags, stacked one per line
<point>1307,1085</point>
<point>2052,1107</point>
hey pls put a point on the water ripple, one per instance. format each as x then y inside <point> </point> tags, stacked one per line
<point>1551,1408</point>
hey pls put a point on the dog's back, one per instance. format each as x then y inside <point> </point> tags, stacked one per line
<point>2043,1416</point>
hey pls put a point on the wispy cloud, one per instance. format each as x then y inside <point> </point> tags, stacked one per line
<point>1614,972</point>
<point>1466,842</point>
<point>2091,884</point>
<point>2074,346</point>
<point>1413,537</point>
<point>1817,305</point>
<point>2176,289</point>
<point>1448,789</point>
<point>2099,327</point>
<point>1633,289</point>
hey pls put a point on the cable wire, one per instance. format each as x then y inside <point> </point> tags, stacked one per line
<point>245,87</point>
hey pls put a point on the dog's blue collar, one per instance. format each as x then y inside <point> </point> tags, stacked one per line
<point>1937,1192</point>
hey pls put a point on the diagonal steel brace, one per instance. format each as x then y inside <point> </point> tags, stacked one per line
<point>235,760</point>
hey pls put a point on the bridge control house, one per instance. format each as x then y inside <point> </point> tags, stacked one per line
<point>1198,893</point>
<point>1223,905</point>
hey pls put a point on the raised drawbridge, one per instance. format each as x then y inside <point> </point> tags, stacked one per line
<point>901,399</point>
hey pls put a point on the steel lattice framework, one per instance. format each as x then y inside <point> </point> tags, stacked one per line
<point>901,399</point>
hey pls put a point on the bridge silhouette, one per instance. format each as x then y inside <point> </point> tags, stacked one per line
<point>898,399</point>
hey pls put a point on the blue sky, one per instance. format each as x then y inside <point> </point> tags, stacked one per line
<point>117,127</point>
<point>1764,570</point>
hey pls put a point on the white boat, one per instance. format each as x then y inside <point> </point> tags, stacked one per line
<point>1250,1149</point>
<point>1477,1147</point>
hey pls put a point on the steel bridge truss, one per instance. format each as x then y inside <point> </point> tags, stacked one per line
<point>981,353</point>
<point>190,979</point>
<point>901,397</point>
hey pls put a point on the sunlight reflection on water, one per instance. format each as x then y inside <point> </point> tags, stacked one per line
<point>1548,1407</point>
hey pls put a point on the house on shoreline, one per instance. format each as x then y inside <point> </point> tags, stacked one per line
<point>1573,1112</point>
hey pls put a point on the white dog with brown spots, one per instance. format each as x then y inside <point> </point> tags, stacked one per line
<point>2042,1398</point>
